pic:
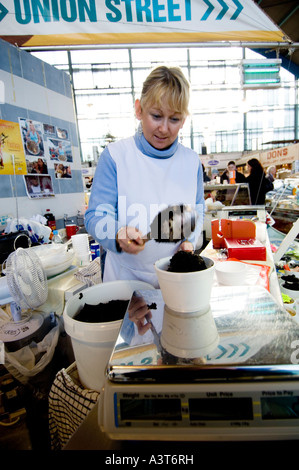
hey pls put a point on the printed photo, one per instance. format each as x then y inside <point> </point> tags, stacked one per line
<point>38,186</point>
<point>32,137</point>
<point>60,150</point>
<point>37,166</point>
<point>62,171</point>
<point>49,130</point>
<point>62,133</point>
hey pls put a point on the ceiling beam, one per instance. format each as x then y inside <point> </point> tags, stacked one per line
<point>288,16</point>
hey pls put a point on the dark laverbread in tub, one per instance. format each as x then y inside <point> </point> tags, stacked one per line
<point>186,262</point>
<point>291,282</point>
<point>103,312</point>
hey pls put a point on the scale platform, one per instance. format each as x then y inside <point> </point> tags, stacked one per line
<point>247,388</point>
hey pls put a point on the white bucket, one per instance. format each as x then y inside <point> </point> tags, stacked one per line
<point>186,292</point>
<point>93,342</point>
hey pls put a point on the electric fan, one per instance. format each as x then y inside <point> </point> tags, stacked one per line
<point>25,288</point>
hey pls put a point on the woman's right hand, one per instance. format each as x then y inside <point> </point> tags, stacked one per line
<point>130,240</point>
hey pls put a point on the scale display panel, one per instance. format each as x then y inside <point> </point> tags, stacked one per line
<point>207,409</point>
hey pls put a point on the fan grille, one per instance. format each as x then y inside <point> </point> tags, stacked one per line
<point>26,279</point>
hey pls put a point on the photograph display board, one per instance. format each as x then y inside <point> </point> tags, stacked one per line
<point>31,148</point>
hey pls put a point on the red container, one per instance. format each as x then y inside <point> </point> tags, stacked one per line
<point>251,249</point>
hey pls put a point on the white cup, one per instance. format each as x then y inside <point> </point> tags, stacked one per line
<point>80,239</point>
<point>81,249</point>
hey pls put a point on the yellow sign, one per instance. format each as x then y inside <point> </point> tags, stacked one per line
<point>12,157</point>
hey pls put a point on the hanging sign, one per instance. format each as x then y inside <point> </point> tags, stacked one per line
<point>83,22</point>
<point>280,156</point>
<point>213,162</point>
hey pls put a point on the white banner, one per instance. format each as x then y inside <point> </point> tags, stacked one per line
<point>79,22</point>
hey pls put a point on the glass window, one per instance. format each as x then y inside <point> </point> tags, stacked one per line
<point>107,81</point>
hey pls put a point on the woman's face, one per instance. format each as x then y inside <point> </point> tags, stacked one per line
<point>160,125</point>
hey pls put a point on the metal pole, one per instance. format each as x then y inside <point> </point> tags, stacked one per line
<point>74,100</point>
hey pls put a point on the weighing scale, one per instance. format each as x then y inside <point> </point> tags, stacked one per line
<point>242,212</point>
<point>246,388</point>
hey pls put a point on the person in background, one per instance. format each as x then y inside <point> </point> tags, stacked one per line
<point>205,176</point>
<point>138,176</point>
<point>231,166</point>
<point>215,174</point>
<point>259,185</point>
<point>271,173</point>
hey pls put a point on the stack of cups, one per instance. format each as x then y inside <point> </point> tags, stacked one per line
<point>81,249</point>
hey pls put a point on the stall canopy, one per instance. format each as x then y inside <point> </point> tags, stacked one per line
<point>37,23</point>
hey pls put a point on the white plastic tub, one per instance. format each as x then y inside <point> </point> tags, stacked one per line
<point>189,335</point>
<point>231,273</point>
<point>186,292</point>
<point>93,342</point>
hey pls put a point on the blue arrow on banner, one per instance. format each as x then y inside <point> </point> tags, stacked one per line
<point>234,350</point>
<point>245,350</point>
<point>209,10</point>
<point>3,11</point>
<point>224,351</point>
<point>230,350</point>
<point>223,11</point>
<point>238,10</point>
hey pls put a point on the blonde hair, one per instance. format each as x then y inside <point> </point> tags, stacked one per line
<point>166,83</point>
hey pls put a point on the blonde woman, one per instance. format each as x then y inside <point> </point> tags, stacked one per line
<point>139,175</point>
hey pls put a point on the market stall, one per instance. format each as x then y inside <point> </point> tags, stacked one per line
<point>157,386</point>
<point>283,204</point>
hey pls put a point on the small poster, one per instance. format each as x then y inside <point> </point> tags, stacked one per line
<point>12,158</point>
